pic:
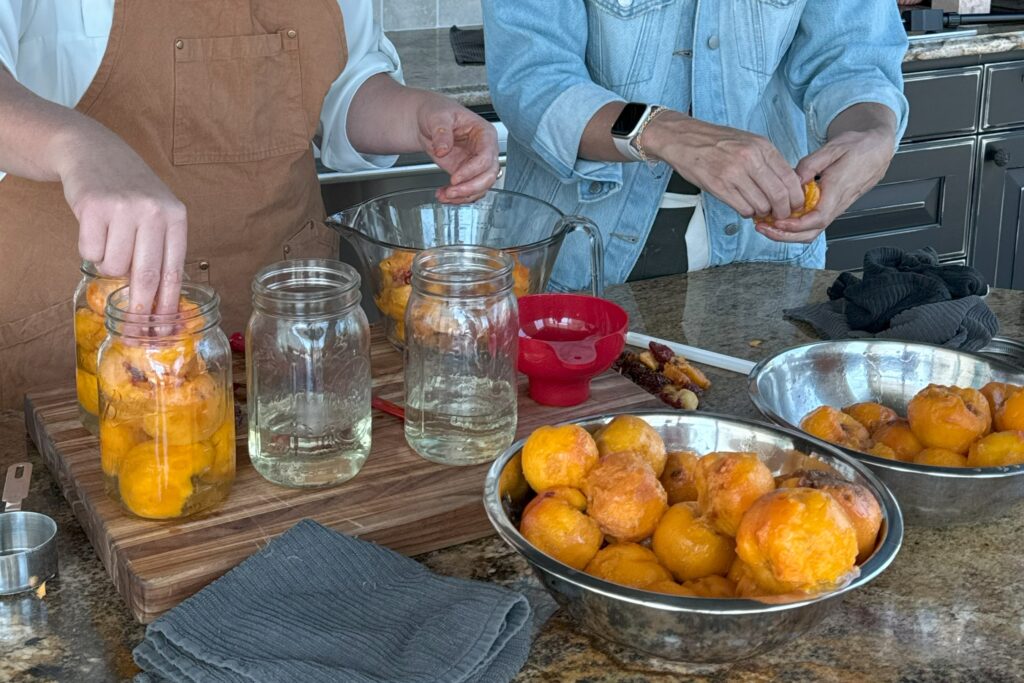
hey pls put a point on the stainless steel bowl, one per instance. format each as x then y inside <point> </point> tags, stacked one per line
<point>676,627</point>
<point>837,373</point>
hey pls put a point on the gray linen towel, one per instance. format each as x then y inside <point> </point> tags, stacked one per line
<point>316,605</point>
<point>965,323</point>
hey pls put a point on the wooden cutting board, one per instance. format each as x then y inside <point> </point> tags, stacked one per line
<point>398,499</point>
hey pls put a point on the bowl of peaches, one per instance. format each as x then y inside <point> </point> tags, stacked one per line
<point>691,536</point>
<point>943,429</point>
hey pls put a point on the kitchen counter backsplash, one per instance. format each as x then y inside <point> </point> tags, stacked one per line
<point>403,15</point>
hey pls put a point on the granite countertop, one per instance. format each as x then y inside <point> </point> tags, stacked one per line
<point>428,61</point>
<point>949,607</point>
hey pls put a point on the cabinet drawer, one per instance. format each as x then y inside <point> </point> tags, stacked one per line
<point>942,102</point>
<point>1003,103</point>
<point>923,200</point>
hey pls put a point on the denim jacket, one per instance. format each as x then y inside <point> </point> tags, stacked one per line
<point>779,68</point>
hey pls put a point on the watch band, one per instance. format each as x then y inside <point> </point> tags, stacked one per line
<point>624,140</point>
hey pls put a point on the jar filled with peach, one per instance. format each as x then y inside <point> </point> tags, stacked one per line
<point>167,427</point>
<point>90,306</point>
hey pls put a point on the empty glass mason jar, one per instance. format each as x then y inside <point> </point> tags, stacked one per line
<point>90,331</point>
<point>307,352</point>
<point>462,329</point>
<point>167,418</point>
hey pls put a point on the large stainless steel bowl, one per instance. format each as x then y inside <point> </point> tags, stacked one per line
<point>676,627</point>
<point>837,373</point>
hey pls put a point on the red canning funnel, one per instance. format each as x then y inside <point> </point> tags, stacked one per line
<point>564,341</point>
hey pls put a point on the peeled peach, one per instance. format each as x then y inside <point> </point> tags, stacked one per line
<point>859,504</point>
<point>812,195</point>
<point>151,491</point>
<point>116,440</point>
<point>834,426</point>
<point>561,530</point>
<point>631,433</point>
<point>797,540</point>
<point>558,456</point>
<point>711,587</point>
<point>680,477</point>
<point>900,438</point>
<point>99,290</point>
<point>743,579</point>
<point>728,484</point>
<point>88,391</point>
<point>670,588</point>
<point>998,449</point>
<point>949,417</point>
<point>871,415</point>
<point>223,444</point>
<point>688,546</point>
<point>940,457</point>
<point>1010,415</point>
<point>627,564</point>
<point>624,496</point>
<point>883,451</point>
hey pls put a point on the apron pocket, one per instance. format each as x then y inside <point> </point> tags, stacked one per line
<point>237,99</point>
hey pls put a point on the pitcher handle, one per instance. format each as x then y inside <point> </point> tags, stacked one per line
<point>593,234</point>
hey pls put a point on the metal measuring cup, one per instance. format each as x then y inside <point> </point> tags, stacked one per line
<point>28,540</point>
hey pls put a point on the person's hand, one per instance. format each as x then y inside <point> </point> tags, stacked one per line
<point>743,170</point>
<point>861,143</point>
<point>461,143</point>
<point>130,223</point>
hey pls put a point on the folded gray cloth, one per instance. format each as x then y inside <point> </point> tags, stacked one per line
<point>316,605</point>
<point>965,323</point>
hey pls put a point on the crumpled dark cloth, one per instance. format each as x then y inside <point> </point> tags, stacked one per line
<point>908,296</point>
<point>467,45</point>
<point>316,605</point>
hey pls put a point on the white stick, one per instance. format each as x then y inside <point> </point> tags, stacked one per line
<point>715,360</point>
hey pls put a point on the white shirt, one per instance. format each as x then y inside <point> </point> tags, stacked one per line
<point>54,47</point>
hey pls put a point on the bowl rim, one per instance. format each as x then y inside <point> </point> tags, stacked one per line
<point>754,392</point>
<point>558,234</point>
<point>883,556</point>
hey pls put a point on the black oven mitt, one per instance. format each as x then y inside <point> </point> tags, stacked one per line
<point>908,296</point>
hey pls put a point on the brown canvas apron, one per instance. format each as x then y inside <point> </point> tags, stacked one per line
<point>221,98</point>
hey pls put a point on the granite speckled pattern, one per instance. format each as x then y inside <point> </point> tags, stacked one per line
<point>949,608</point>
<point>985,43</point>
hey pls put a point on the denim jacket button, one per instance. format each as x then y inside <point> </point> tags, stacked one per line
<point>595,187</point>
<point>732,229</point>
<point>713,42</point>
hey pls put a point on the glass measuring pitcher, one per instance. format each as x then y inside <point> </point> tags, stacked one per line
<point>389,231</point>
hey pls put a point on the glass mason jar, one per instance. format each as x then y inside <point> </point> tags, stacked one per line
<point>462,329</point>
<point>167,419</point>
<point>90,331</point>
<point>307,351</point>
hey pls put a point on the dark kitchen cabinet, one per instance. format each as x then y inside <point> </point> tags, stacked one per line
<point>923,200</point>
<point>957,182</point>
<point>998,249</point>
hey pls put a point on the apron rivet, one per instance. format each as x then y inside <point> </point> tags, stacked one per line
<point>287,249</point>
<point>204,265</point>
<point>179,44</point>
<point>291,33</point>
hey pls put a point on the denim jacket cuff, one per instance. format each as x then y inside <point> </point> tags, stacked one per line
<point>844,94</point>
<point>561,130</point>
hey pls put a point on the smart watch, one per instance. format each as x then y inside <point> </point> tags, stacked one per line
<point>628,126</point>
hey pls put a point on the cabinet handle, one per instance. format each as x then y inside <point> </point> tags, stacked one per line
<point>1000,156</point>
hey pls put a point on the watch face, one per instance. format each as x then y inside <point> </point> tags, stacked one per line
<point>629,119</point>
